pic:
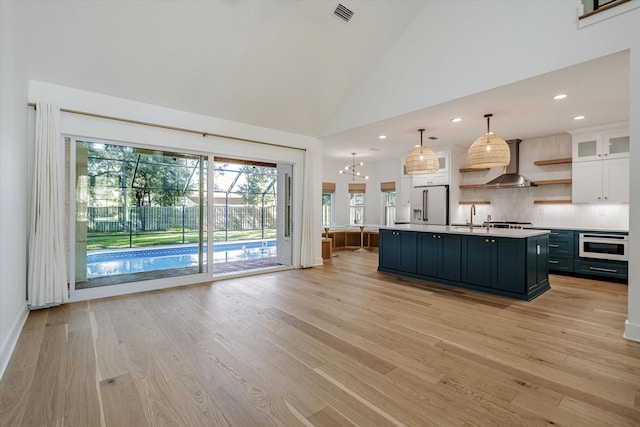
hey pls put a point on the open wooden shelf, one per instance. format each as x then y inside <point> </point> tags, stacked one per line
<point>466,186</point>
<point>553,161</point>
<point>470,202</point>
<point>553,181</point>
<point>463,170</point>
<point>552,202</point>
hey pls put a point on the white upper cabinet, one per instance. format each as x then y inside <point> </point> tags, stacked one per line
<point>601,181</point>
<point>443,160</point>
<point>441,177</point>
<point>601,165</point>
<point>615,145</point>
<point>586,184</point>
<point>587,148</point>
<point>606,145</point>
<point>615,180</point>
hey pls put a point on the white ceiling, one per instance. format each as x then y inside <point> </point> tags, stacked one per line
<point>598,90</point>
<point>290,65</point>
<point>282,64</point>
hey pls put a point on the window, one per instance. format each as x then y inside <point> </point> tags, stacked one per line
<point>592,7</point>
<point>328,211</point>
<point>356,208</point>
<point>389,207</point>
<point>388,190</point>
<point>327,205</point>
<point>356,203</point>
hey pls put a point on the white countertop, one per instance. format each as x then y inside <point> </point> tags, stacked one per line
<point>340,228</point>
<point>557,227</point>
<point>476,231</point>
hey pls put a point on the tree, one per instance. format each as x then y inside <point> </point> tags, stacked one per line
<point>260,183</point>
<point>152,178</point>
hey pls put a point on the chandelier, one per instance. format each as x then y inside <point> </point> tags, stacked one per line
<point>489,150</point>
<point>352,169</point>
<point>421,160</point>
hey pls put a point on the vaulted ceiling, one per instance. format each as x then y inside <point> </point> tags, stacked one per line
<point>290,65</point>
<point>282,64</point>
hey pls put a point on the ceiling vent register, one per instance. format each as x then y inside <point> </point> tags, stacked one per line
<point>343,13</point>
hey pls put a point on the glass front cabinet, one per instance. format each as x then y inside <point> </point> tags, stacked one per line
<point>600,169</point>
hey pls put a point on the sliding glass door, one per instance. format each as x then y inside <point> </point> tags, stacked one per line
<point>248,216</point>
<point>138,214</point>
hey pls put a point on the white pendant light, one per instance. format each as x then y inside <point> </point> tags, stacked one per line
<point>489,150</point>
<point>421,160</point>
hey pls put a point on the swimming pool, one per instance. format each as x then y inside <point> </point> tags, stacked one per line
<point>115,262</point>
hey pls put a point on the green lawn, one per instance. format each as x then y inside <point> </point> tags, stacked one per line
<point>121,240</point>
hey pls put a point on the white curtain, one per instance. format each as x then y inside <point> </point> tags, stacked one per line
<point>47,272</point>
<point>309,235</point>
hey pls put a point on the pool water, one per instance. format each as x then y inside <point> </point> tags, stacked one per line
<point>110,263</point>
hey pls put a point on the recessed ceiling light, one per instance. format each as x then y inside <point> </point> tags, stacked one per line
<point>374,149</point>
<point>578,118</point>
<point>456,119</point>
<point>383,137</point>
<point>560,96</point>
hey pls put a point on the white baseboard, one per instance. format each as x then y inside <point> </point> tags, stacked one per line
<point>631,331</point>
<point>12,339</point>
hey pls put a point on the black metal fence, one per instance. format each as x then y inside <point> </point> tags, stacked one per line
<point>160,218</point>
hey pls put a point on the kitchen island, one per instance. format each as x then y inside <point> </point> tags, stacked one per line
<point>512,263</point>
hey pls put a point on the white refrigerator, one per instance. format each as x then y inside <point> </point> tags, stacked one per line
<point>430,205</point>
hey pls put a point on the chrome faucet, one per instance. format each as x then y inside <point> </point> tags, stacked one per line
<point>472,212</point>
<point>487,223</point>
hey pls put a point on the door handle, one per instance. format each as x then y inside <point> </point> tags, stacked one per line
<point>554,262</point>
<point>606,270</point>
<point>554,246</point>
<point>425,204</point>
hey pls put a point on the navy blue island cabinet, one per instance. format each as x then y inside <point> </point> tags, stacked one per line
<point>400,253</point>
<point>504,264</point>
<point>439,255</point>
<point>516,267</point>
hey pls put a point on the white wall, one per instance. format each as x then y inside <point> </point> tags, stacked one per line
<point>378,172</point>
<point>13,180</point>
<point>632,329</point>
<point>110,130</point>
<point>516,204</point>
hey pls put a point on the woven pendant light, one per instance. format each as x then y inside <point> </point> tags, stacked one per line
<point>489,150</point>
<point>421,160</point>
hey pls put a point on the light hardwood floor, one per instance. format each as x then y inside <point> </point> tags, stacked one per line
<point>337,345</point>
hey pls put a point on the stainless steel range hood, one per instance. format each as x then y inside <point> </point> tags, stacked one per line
<point>511,177</point>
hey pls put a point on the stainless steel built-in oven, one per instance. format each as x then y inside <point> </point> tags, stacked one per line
<point>604,246</point>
